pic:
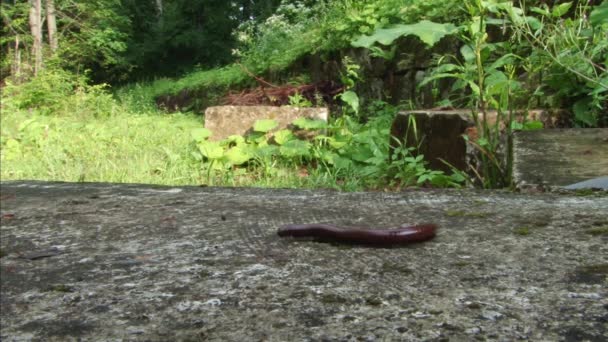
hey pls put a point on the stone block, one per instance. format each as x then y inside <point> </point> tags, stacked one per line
<point>225,121</point>
<point>440,132</point>
<point>559,157</point>
<point>436,134</point>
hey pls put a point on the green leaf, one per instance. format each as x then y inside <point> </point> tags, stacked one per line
<point>467,53</point>
<point>447,67</point>
<point>361,155</point>
<point>379,52</point>
<point>561,9</point>
<point>434,77</point>
<point>508,59</point>
<point>541,11</point>
<point>200,134</point>
<point>429,32</point>
<point>234,140</point>
<point>483,142</point>
<point>310,124</point>
<point>583,112</point>
<point>533,125</point>
<point>239,155</point>
<point>336,143</point>
<point>265,125</point>
<point>534,23</point>
<point>599,15</point>
<point>516,126</point>
<point>342,163</point>
<point>295,148</point>
<point>282,136</point>
<point>266,151</point>
<point>496,82</point>
<point>352,99</point>
<point>211,149</point>
<point>474,88</point>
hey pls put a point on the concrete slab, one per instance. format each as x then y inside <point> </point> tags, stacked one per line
<point>225,121</point>
<point>559,157</point>
<point>110,262</point>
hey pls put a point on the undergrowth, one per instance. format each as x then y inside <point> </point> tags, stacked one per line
<point>296,29</point>
<point>87,136</point>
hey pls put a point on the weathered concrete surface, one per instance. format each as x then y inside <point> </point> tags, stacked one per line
<point>148,263</point>
<point>225,121</point>
<point>559,157</point>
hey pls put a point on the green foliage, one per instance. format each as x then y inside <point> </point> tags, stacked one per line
<point>265,126</point>
<point>58,92</point>
<point>274,43</point>
<point>570,56</point>
<point>429,32</point>
<point>271,44</point>
<point>339,150</point>
<point>94,36</point>
<point>123,147</point>
<point>297,100</point>
<point>346,20</point>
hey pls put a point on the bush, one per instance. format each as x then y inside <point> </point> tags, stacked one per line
<point>58,92</point>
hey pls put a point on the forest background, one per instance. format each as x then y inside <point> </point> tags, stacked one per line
<point>114,90</point>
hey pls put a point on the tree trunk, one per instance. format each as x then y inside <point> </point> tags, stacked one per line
<point>16,66</point>
<point>36,28</point>
<point>159,7</point>
<point>52,24</point>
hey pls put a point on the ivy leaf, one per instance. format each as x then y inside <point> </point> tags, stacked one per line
<point>265,125</point>
<point>429,32</point>
<point>200,134</point>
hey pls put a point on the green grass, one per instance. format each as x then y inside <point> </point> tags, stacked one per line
<point>150,148</point>
<point>135,148</point>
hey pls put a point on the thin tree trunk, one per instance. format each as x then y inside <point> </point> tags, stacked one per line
<point>36,28</point>
<point>159,13</point>
<point>159,7</point>
<point>51,23</point>
<point>16,72</point>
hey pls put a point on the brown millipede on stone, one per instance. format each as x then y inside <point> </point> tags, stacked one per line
<point>357,235</point>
